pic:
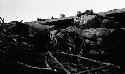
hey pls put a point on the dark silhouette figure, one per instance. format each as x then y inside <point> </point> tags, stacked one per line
<point>117,44</point>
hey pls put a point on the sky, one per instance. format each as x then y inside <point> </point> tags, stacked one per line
<point>30,10</point>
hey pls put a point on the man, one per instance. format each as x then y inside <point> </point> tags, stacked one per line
<point>117,49</point>
<point>40,36</point>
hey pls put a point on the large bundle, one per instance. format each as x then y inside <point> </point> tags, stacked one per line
<point>98,32</point>
<point>87,21</point>
<point>117,15</point>
<point>20,38</point>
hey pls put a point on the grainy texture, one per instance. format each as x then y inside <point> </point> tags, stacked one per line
<point>80,44</point>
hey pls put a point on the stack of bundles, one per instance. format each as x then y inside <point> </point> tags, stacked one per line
<point>91,36</point>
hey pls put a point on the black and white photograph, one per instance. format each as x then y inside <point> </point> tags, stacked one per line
<point>62,36</point>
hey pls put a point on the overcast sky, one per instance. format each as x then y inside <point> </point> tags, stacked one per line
<point>30,10</point>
